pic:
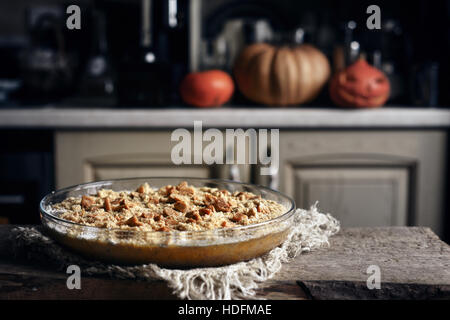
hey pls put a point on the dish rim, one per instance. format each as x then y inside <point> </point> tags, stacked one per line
<point>286,215</point>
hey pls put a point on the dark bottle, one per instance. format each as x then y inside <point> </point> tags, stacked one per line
<point>173,41</point>
<point>144,76</point>
<point>46,66</point>
<point>98,80</point>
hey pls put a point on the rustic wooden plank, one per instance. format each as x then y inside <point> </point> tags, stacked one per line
<point>328,290</point>
<point>414,264</point>
<point>404,255</point>
<point>4,234</point>
<point>19,281</point>
<point>25,282</point>
<point>282,290</point>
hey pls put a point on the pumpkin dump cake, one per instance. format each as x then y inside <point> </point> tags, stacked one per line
<point>170,208</point>
<point>168,221</point>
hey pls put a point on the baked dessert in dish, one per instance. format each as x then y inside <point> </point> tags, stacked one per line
<point>173,222</point>
<point>169,208</point>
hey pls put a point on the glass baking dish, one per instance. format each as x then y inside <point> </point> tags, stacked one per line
<point>169,249</point>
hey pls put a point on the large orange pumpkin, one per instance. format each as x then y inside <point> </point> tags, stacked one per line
<point>283,75</point>
<point>360,85</point>
<point>207,89</point>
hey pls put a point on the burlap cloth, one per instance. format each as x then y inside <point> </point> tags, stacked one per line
<point>238,281</point>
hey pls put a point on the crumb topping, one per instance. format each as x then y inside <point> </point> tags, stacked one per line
<point>182,207</point>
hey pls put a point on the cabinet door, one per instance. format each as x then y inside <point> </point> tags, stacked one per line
<point>362,197</point>
<point>367,178</point>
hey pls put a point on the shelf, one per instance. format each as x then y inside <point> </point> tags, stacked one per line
<point>226,117</point>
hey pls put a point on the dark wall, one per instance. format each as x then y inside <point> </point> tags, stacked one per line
<point>425,24</point>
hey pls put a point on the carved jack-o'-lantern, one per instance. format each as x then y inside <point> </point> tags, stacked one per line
<point>360,85</point>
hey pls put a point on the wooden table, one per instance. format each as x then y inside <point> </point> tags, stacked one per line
<point>413,262</point>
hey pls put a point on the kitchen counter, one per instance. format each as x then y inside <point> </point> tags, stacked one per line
<point>413,263</point>
<point>296,118</point>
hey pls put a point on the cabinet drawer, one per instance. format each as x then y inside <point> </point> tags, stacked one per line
<point>89,156</point>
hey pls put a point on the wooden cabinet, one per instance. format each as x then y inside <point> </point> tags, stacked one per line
<point>364,178</point>
<point>362,196</point>
<point>91,156</point>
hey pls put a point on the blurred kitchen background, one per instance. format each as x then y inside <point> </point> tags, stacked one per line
<point>101,102</point>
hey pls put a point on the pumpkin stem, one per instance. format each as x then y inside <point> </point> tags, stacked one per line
<point>299,36</point>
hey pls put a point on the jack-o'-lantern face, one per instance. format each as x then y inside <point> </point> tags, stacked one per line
<point>360,85</point>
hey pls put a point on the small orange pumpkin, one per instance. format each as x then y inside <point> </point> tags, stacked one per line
<point>360,85</point>
<point>283,75</point>
<point>207,89</point>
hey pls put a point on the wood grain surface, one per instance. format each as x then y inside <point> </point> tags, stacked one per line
<point>414,264</point>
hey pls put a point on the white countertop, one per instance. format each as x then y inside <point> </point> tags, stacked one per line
<point>298,117</point>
